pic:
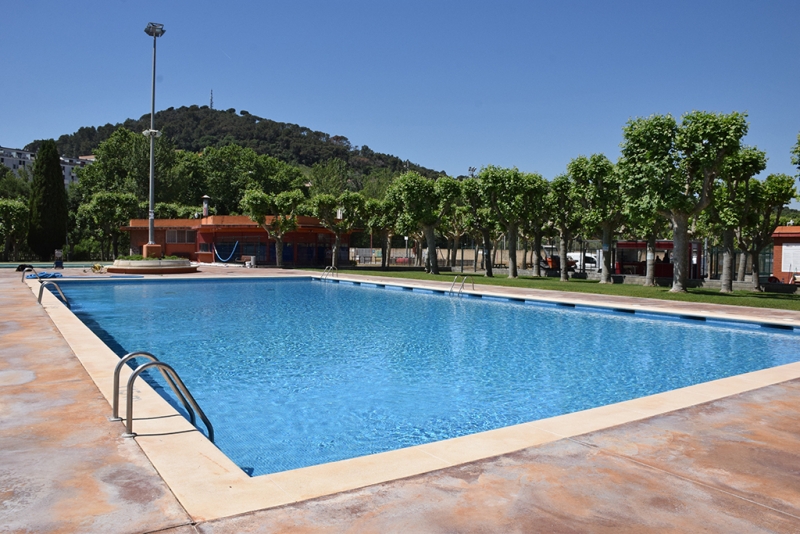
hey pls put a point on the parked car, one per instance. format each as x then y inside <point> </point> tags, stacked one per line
<point>589,260</point>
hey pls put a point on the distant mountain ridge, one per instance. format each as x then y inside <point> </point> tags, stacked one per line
<point>194,128</point>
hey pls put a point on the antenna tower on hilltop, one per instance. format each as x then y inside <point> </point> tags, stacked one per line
<point>211,105</point>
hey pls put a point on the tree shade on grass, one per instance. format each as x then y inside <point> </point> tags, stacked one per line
<point>47,223</point>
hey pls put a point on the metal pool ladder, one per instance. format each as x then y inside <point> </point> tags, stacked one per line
<point>461,287</point>
<point>43,283</point>
<point>29,270</point>
<point>330,270</point>
<point>172,379</point>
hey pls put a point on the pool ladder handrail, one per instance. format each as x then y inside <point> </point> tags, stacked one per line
<point>28,270</point>
<point>172,379</point>
<point>461,287</point>
<point>142,354</point>
<point>330,270</point>
<point>43,283</point>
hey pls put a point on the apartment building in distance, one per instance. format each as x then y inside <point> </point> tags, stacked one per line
<point>16,159</point>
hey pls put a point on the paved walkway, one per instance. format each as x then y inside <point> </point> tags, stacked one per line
<point>731,465</point>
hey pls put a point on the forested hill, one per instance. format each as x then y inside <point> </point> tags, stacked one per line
<point>194,128</point>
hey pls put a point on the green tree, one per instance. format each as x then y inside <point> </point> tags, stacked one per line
<point>230,171</point>
<point>186,182</point>
<point>339,214</point>
<point>598,187</point>
<point>275,213</point>
<point>104,214</point>
<point>566,215</point>
<point>421,204</point>
<point>482,218</point>
<point>329,178</point>
<point>796,153</point>
<point>13,187</point>
<point>13,226</point>
<point>375,184</point>
<point>730,205</point>
<point>511,195</point>
<point>537,223</point>
<point>454,226</point>
<point>763,204</point>
<point>676,167</point>
<point>47,208</point>
<point>379,219</point>
<point>122,165</point>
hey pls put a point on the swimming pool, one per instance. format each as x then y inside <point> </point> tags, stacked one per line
<point>296,373</point>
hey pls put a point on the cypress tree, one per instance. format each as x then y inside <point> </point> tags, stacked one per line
<point>47,223</point>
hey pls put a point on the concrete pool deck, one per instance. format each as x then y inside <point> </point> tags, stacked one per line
<point>724,465</point>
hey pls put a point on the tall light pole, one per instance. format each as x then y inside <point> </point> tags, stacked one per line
<point>155,30</point>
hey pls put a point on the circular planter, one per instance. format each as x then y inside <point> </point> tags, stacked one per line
<point>152,267</point>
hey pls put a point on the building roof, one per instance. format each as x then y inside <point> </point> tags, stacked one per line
<point>786,231</point>
<point>218,222</point>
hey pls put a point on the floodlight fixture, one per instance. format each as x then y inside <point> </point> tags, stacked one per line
<point>154,29</point>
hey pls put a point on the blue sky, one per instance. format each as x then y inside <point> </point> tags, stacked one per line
<point>446,84</point>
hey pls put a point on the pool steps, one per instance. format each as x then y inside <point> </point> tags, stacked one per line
<point>330,270</point>
<point>170,376</point>
<point>461,287</point>
<point>43,283</point>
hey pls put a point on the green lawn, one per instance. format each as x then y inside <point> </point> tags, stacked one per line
<point>737,298</point>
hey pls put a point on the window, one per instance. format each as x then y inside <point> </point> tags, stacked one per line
<point>181,236</point>
<point>791,258</point>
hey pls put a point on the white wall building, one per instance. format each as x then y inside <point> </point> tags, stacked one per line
<point>16,159</point>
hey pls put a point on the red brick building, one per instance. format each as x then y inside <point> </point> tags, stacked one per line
<point>231,238</point>
<point>786,253</point>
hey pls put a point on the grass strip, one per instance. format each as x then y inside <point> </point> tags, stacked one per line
<point>779,301</point>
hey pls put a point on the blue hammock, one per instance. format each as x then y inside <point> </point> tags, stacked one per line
<point>229,257</point>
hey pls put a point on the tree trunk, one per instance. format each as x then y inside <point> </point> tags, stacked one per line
<point>512,232</point>
<point>383,249</point>
<point>728,255</point>
<point>754,269</point>
<point>278,251</point>
<point>537,254</point>
<point>650,273</point>
<point>605,276</point>
<point>742,266</point>
<point>487,252</point>
<point>454,251</point>
<point>524,253</point>
<point>430,237</point>
<point>562,256</point>
<point>335,252</point>
<point>680,260</point>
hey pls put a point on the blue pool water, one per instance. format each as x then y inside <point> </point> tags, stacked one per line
<point>298,372</point>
